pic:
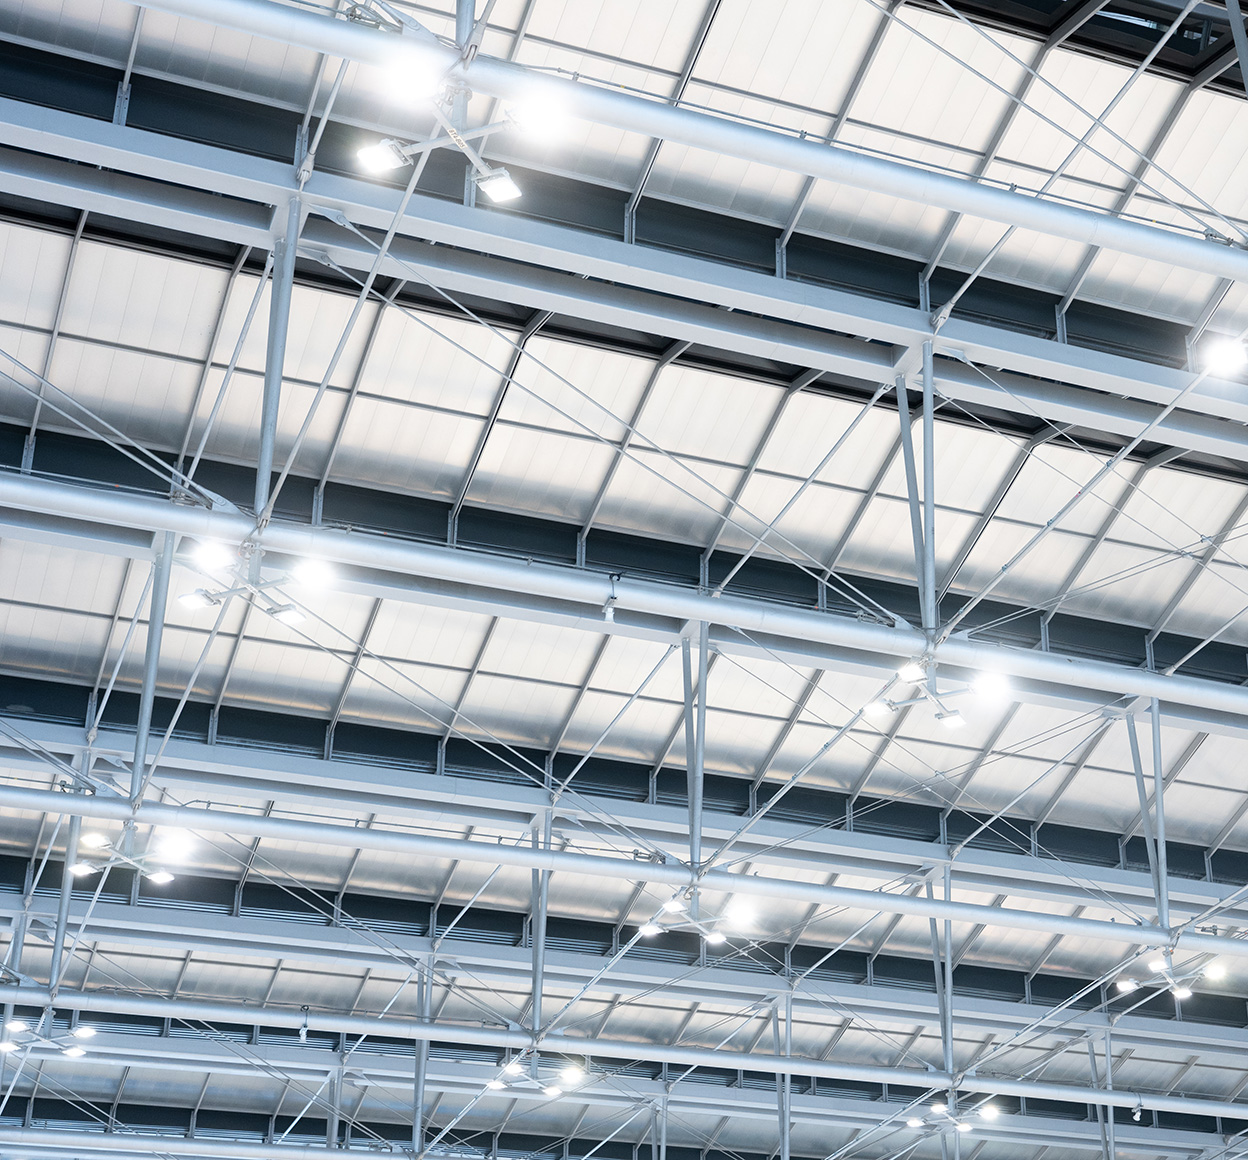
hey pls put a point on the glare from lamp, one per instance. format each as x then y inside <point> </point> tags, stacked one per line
<point>197,600</point>
<point>739,913</point>
<point>382,157</point>
<point>6,1046</point>
<point>17,1026</point>
<point>572,1073</point>
<point>1156,965</point>
<point>877,710</point>
<point>313,573</point>
<point>673,906</point>
<point>495,1085</point>
<point>160,877</point>
<point>288,614</point>
<point>914,1123</point>
<point>83,1032</point>
<point>515,1067</point>
<point>1223,356</point>
<point>93,841</point>
<point>213,556</point>
<point>74,1052</point>
<point>539,118</point>
<point>1215,971</point>
<point>81,869</point>
<point>175,844</point>
<point>498,185</point>
<point>1182,992</point>
<point>553,1092</point>
<point>989,1111</point>
<point>991,687</point>
<point>1126,986</point>
<point>912,672</point>
<point>939,1109</point>
<point>951,720</point>
<point>650,929</point>
<point>964,1127</point>
<point>715,938</point>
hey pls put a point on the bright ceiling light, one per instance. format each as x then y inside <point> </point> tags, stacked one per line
<point>515,1067</point>
<point>914,1123</point>
<point>80,869</point>
<point>7,1046</point>
<point>75,1052</point>
<point>539,118</point>
<point>1181,992</point>
<point>964,1127</point>
<point>1156,965</point>
<point>553,1092</point>
<point>1223,355</point>
<point>992,687</point>
<point>912,672</point>
<point>160,877</point>
<point>877,709</point>
<point>495,1085</point>
<point>497,185</point>
<point>715,938</point>
<point>739,914</point>
<point>382,157</point>
<point>572,1073</point>
<point>1215,970</point>
<point>951,720</point>
<point>83,1032</point>
<point>213,556</point>
<point>989,1111</point>
<point>673,906</point>
<point>175,844</point>
<point>17,1026</point>
<point>288,614</point>
<point>1126,986</point>
<point>650,929</point>
<point>197,599</point>
<point>93,841</point>
<point>313,573</point>
<point>940,1109</point>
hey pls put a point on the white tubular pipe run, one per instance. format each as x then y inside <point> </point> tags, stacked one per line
<point>591,591</point>
<point>606,866</point>
<point>655,118</point>
<point>190,1009</point>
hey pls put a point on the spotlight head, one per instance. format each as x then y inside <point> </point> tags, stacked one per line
<point>1181,992</point>
<point>989,1111</point>
<point>17,1026</point>
<point>1126,986</point>
<point>1215,970</point>
<point>876,710</point>
<point>1135,1115</point>
<point>382,157</point>
<point>572,1073</point>
<point>83,1032</point>
<point>74,1052</point>
<point>951,720</point>
<point>1156,965</point>
<point>991,687</point>
<point>650,929</point>
<point>175,844</point>
<point>716,938</point>
<point>1223,355</point>
<point>96,841</point>
<point>940,1109</point>
<point>497,185</point>
<point>912,672</point>
<point>553,1092</point>
<point>288,614</point>
<point>82,869</point>
<point>539,118</point>
<point>495,1085</point>
<point>160,877</point>
<point>197,600</point>
<point>515,1067</point>
<point>6,1046</point>
<point>963,1126</point>
<point>312,573</point>
<point>739,914</point>
<point>914,1122</point>
<point>673,906</point>
<point>213,556</point>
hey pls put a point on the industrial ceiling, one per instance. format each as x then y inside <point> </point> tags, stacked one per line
<point>654,581</point>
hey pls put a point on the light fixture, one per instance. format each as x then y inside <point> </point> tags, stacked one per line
<point>382,157</point>
<point>951,720</point>
<point>1156,965</point>
<point>515,1067</point>
<point>989,1111</point>
<point>160,877</point>
<point>497,185</point>
<point>963,1126</point>
<point>650,929</point>
<point>83,1032</point>
<point>74,1052</point>
<point>673,906</point>
<point>1181,992</point>
<point>312,573</point>
<point>912,672</point>
<point>6,1046</point>
<point>495,1085</point>
<point>715,938</point>
<point>1223,355</point>
<point>213,556</point>
<point>992,687</point>
<point>1215,970</point>
<point>93,841</point>
<point>940,1109</point>
<point>538,118</point>
<point>81,869</point>
<point>197,599</point>
<point>288,614</point>
<point>553,1092</point>
<point>1126,986</point>
<point>175,844</point>
<point>877,709</point>
<point>17,1026</point>
<point>914,1123</point>
<point>572,1073</point>
<point>1135,1115</point>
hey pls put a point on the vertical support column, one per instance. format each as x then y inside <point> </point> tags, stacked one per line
<point>422,1060</point>
<point>1146,824</point>
<point>912,494</point>
<point>334,1112</point>
<point>57,969</point>
<point>541,895</point>
<point>275,353</point>
<point>1109,1086</point>
<point>1159,818</point>
<point>161,570</point>
<point>784,1083</point>
<point>698,780</point>
<point>929,495</point>
<point>465,18</point>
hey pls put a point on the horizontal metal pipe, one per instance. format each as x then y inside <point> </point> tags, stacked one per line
<point>657,119</point>
<point>610,1049</point>
<point>603,866</point>
<point>592,591</point>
